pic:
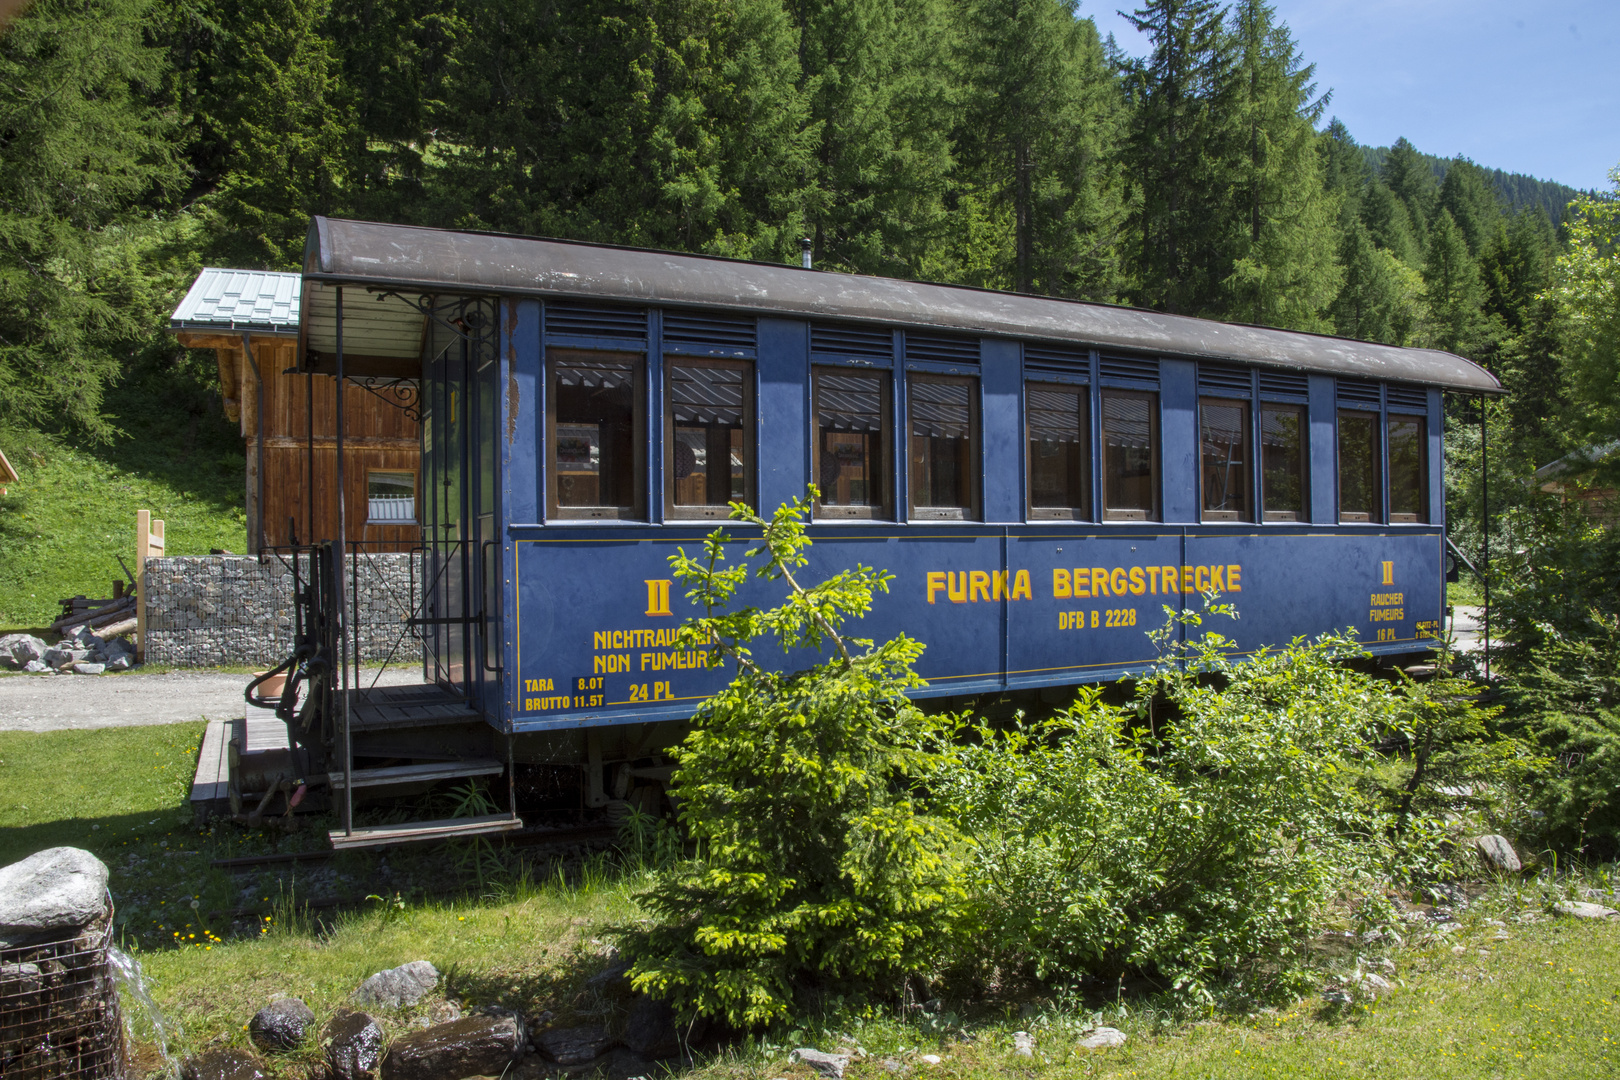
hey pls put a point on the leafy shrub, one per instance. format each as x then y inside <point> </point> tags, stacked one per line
<point>816,870</point>
<point>1205,829</point>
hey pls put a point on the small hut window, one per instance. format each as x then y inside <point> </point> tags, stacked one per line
<point>390,498</point>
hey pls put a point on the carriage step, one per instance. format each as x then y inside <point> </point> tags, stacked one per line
<point>406,832</point>
<point>416,774</point>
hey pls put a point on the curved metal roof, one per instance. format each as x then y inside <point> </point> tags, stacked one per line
<point>440,260</point>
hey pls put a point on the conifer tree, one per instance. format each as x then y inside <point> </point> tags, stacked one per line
<point>1586,291</point>
<point>1040,129</point>
<point>268,107</point>
<point>85,153</point>
<point>1283,268</point>
<point>1181,139</point>
<point>1371,305</point>
<point>1452,290</point>
<point>1467,195</point>
<point>1411,180</point>
<point>1516,269</point>
<point>879,80</point>
<point>1389,224</point>
<point>1345,173</point>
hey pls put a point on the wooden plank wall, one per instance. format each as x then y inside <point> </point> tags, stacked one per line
<point>377,436</point>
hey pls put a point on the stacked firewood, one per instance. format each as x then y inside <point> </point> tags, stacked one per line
<point>98,614</point>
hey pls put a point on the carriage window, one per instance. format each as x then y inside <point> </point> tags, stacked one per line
<point>1130,433</point>
<point>1059,435</point>
<point>1282,462</point>
<point>1359,489</point>
<point>1408,470</point>
<point>709,421</point>
<point>852,442</point>
<point>942,413</point>
<point>597,411</point>
<point>1223,429</point>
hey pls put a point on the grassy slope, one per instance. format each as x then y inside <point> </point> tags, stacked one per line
<point>1536,1002</point>
<point>73,512</point>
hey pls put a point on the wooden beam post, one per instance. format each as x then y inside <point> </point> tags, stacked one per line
<point>148,544</point>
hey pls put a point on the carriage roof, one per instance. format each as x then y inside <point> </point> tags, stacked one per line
<point>417,260</point>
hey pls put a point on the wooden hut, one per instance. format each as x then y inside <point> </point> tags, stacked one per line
<point>288,420</point>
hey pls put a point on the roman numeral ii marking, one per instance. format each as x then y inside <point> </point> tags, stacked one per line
<point>1389,574</point>
<point>658,594</point>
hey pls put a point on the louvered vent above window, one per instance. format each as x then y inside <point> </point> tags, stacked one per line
<point>1356,393</point>
<point>942,349</point>
<point>565,319</point>
<point>1227,380</point>
<point>1057,360</point>
<point>726,333</point>
<point>1284,384</point>
<point>1134,368</point>
<point>840,339</point>
<point>1407,398</point>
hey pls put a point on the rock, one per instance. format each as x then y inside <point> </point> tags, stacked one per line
<point>650,1029</point>
<point>609,978</point>
<point>85,668</point>
<point>1498,854</point>
<point>17,650</point>
<point>1373,986</point>
<point>1023,1044</point>
<point>616,1064</point>
<point>121,662</point>
<point>929,1059</point>
<point>475,1045</point>
<point>1336,995</point>
<point>49,893</point>
<point>353,1042</point>
<point>441,1012</point>
<point>58,657</point>
<point>281,1025</point>
<point>224,1064</point>
<point>828,1065</point>
<point>1104,1038</point>
<point>893,1065</point>
<point>573,1045</point>
<point>397,987</point>
<point>36,666</point>
<point>1580,910</point>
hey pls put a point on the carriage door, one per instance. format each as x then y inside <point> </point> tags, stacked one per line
<point>484,582</point>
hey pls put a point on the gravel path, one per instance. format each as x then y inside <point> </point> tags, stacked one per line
<point>57,702</point>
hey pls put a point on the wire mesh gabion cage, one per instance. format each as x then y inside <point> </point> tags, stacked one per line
<point>59,1012</point>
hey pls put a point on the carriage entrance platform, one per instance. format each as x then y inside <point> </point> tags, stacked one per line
<point>244,762</point>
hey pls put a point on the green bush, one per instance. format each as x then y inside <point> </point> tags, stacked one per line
<point>816,871</point>
<point>1206,829</point>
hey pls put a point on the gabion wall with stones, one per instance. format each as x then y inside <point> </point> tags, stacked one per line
<point>205,611</point>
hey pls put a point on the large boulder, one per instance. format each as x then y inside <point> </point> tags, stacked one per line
<point>224,1064</point>
<point>471,1046</point>
<point>1498,854</point>
<point>51,894</point>
<point>281,1025</point>
<point>353,1043</point>
<point>397,987</point>
<point>16,650</point>
<point>650,1029</point>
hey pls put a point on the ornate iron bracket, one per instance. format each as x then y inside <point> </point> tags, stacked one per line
<point>401,394</point>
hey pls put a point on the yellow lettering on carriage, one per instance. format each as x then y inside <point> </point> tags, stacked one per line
<point>978,586</point>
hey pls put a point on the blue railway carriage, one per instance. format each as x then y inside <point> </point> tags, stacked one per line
<point>1042,477</point>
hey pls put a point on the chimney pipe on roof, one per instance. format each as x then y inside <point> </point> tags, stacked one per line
<point>804,252</point>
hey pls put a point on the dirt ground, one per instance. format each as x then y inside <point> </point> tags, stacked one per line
<point>56,702</point>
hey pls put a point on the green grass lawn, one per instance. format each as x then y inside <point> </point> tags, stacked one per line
<point>71,514</point>
<point>1532,997</point>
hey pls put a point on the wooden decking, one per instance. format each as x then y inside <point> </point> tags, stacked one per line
<point>417,705</point>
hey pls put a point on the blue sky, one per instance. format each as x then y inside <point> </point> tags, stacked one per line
<point>1528,87</point>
